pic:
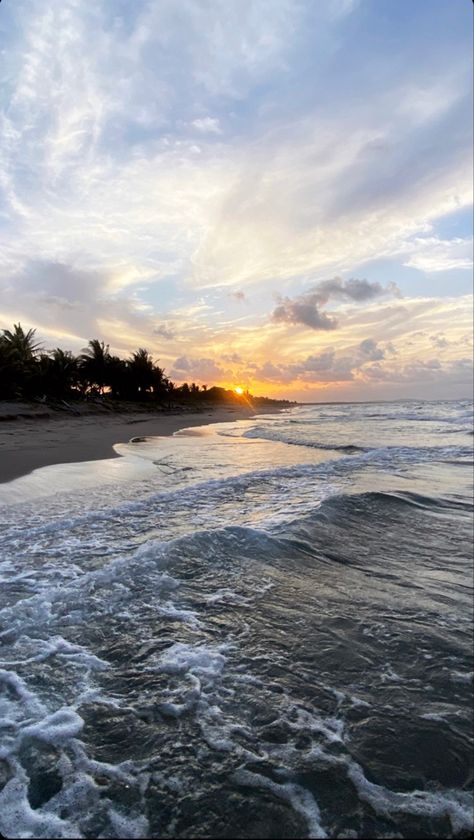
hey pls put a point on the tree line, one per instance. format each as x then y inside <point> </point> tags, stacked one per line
<point>28,371</point>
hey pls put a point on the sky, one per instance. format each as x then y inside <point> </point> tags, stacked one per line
<point>274,194</point>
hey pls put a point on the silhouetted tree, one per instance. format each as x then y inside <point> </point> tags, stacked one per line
<point>25,371</point>
<point>118,378</point>
<point>183,390</point>
<point>161,385</point>
<point>141,368</point>
<point>58,373</point>
<point>19,352</point>
<point>9,371</point>
<point>93,363</point>
<point>22,345</point>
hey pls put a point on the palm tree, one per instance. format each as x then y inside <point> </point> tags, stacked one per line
<point>93,363</point>
<point>19,353</point>
<point>61,372</point>
<point>20,344</point>
<point>141,368</point>
<point>26,371</point>
<point>9,371</point>
<point>118,377</point>
<point>161,384</point>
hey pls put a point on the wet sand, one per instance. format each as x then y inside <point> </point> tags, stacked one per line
<point>30,442</point>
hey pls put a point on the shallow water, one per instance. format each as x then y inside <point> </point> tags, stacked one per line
<point>258,629</point>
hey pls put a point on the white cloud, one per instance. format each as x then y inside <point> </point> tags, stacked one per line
<point>310,198</point>
<point>431,254</point>
<point>208,125</point>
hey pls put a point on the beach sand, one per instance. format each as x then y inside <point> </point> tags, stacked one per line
<point>32,441</point>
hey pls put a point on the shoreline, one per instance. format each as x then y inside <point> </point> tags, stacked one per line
<point>31,442</point>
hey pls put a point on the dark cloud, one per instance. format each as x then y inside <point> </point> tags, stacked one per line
<point>269,372</point>
<point>200,370</point>
<point>164,331</point>
<point>306,309</point>
<point>324,367</point>
<point>303,310</point>
<point>439,341</point>
<point>371,351</point>
<point>418,370</point>
<point>238,295</point>
<point>353,289</point>
<point>181,364</point>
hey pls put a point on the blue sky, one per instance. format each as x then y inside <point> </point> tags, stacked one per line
<point>194,176</point>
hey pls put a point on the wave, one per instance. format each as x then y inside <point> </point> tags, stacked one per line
<point>395,452</point>
<point>149,564</point>
<point>416,500</point>
<point>383,459</point>
<point>279,436</point>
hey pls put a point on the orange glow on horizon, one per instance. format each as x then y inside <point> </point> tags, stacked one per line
<point>239,390</point>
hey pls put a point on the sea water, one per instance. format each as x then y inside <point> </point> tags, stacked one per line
<point>250,629</point>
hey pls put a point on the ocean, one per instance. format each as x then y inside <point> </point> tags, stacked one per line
<point>259,629</point>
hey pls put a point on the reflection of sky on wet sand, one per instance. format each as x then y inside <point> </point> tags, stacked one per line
<point>196,454</point>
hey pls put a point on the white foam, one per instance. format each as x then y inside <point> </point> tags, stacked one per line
<point>18,819</point>
<point>126,826</point>
<point>26,697</point>
<point>169,610</point>
<point>69,652</point>
<point>462,676</point>
<point>202,660</point>
<point>389,675</point>
<point>332,728</point>
<point>189,699</point>
<point>56,728</point>
<point>455,805</point>
<point>298,797</point>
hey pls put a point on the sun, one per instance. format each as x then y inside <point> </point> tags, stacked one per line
<point>239,390</point>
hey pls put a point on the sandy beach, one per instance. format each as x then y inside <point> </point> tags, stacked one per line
<point>32,441</point>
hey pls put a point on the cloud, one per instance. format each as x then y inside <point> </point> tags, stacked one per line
<point>306,309</point>
<point>303,310</point>
<point>203,370</point>
<point>182,364</point>
<point>239,295</point>
<point>234,358</point>
<point>323,367</point>
<point>164,330</point>
<point>312,197</point>
<point>208,125</point>
<point>331,368</point>
<point>69,302</point>
<point>371,351</point>
<point>431,254</point>
<point>422,372</point>
<point>353,289</point>
<point>440,341</point>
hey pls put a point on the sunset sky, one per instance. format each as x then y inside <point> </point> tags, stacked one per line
<point>275,194</point>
